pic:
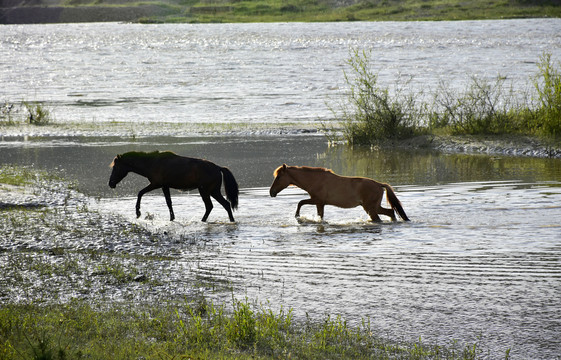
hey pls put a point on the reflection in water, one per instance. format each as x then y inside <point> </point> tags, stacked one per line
<point>423,167</point>
<point>253,159</point>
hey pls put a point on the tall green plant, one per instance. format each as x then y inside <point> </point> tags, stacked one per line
<point>37,114</point>
<point>548,88</point>
<point>372,112</point>
<point>483,108</point>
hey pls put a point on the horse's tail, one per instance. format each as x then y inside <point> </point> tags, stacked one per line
<point>394,202</point>
<point>231,186</point>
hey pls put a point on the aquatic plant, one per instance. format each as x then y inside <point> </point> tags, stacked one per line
<point>7,111</point>
<point>482,108</point>
<point>38,114</point>
<point>548,89</point>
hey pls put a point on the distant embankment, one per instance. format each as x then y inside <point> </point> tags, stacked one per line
<point>35,12</point>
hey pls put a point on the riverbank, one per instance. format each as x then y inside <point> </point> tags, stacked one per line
<point>506,145</point>
<point>58,11</point>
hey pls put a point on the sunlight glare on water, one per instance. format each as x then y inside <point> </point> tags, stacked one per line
<point>251,73</point>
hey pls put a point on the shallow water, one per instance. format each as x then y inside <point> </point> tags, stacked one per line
<point>481,256</point>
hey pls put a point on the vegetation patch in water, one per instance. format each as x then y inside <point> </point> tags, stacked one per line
<point>33,113</point>
<point>373,113</point>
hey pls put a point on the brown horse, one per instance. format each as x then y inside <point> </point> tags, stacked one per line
<point>327,188</point>
<point>167,170</point>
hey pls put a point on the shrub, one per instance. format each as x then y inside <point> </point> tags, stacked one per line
<point>548,93</point>
<point>37,114</point>
<point>373,114</point>
<point>483,108</point>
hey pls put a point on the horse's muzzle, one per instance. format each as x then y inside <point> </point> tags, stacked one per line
<point>112,185</point>
<point>272,193</point>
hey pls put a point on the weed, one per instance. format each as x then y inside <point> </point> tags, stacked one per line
<point>373,113</point>
<point>548,88</point>
<point>7,111</point>
<point>483,108</point>
<point>38,114</point>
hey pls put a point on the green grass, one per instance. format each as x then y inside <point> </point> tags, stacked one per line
<point>207,11</point>
<point>20,176</point>
<point>196,330</point>
<point>372,113</point>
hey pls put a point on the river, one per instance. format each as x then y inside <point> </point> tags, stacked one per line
<point>481,258</point>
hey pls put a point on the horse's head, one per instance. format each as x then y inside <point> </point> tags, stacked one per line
<point>118,173</point>
<point>281,182</point>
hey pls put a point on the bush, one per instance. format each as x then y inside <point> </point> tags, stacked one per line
<point>373,113</point>
<point>483,108</point>
<point>548,92</point>
<point>37,114</point>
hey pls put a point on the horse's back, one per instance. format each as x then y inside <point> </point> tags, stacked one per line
<point>187,173</point>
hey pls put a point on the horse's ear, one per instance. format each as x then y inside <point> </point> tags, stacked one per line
<point>284,166</point>
<point>115,159</point>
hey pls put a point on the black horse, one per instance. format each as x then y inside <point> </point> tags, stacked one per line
<point>168,170</point>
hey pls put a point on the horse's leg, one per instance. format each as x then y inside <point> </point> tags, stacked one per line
<point>165,189</point>
<point>320,208</point>
<point>387,212</point>
<point>208,203</point>
<point>304,202</point>
<point>225,203</point>
<point>372,207</point>
<point>142,192</point>
<point>371,211</point>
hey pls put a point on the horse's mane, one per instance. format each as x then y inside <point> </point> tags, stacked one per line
<point>142,154</point>
<point>305,168</point>
<point>317,169</point>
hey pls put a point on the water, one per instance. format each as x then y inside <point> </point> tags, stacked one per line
<point>250,73</point>
<point>481,256</point>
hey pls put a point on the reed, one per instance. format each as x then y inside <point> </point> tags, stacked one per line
<point>35,113</point>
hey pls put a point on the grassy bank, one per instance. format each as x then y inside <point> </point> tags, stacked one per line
<point>372,113</point>
<point>198,330</point>
<point>205,11</point>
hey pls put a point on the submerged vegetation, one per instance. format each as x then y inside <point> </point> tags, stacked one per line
<point>373,113</point>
